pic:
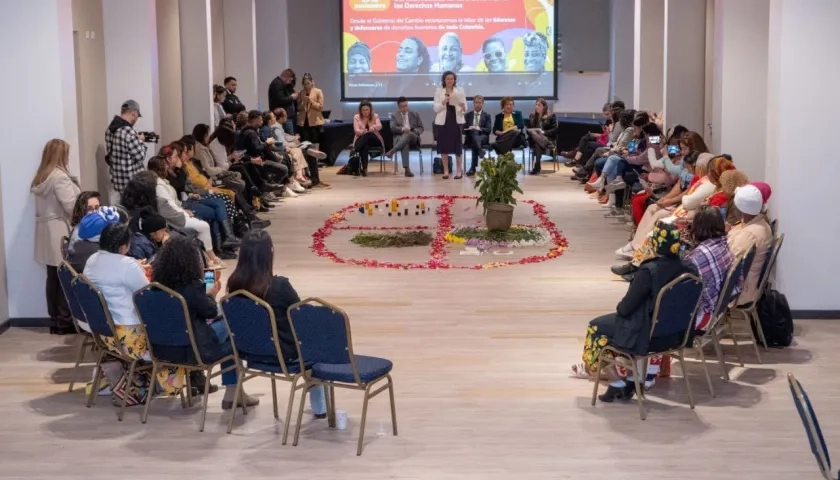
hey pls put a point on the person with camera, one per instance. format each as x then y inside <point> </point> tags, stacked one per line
<point>125,149</point>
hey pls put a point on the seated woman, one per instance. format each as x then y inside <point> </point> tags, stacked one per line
<point>118,276</point>
<point>254,274</point>
<point>583,159</point>
<point>190,180</point>
<point>542,126</point>
<point>596,162</point>
<point>87,234</point>
<point>507,126</point>
<point>178,267</point>
<point>272,133</point>
<point>207,163</point>
<point>712,258</point>
<point>311,153</point>
<point>366,126</point>
<point>170,208</point>
<point>689,142</point>
<point>592,140</point>
<point>86,202</point>
<point>730,181</point>
<point>629,326</point>
<point>751,231</point>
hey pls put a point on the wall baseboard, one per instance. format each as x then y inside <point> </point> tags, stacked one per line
<point>29,322</point>
<point>815,314</point>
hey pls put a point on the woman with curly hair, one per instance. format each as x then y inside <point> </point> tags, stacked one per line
<point>178,267</point>
<point>140,192</point>
<point>730,180</point>
<point>629,327</point>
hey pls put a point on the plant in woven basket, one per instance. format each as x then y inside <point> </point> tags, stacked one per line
<point>496,185</point>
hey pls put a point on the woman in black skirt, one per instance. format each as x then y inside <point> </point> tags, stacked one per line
<point>450,106</point>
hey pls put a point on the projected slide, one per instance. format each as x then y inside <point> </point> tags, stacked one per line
<point>395,48</point>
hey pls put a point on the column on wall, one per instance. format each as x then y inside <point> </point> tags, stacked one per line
<point>46,60</point>
<point>741,33</point>
<point>272,27</point>
<point>684,66</point>
<point>131,59</point>
<point>196,62</point>
<point>622,52</point>
<point>241,50</point>
<point>649,32</point>
<point>801,166</point>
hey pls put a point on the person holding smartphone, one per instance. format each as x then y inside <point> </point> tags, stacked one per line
<point>366,126</point>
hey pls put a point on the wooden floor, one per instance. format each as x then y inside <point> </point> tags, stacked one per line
<point>481,373</point>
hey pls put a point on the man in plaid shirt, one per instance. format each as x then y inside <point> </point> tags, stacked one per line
<point>126,150</point>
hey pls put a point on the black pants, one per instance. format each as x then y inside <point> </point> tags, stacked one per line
<point>60,316</point>
<point>474,140</point>
<point>312,168</point>
<point>363,145</point>
<point>507,141</point>
<point>588,149</point>
<point>310,134</point>
<point>589,137</point>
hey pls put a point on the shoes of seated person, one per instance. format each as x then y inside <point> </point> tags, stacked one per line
<point>260,223</point>
<point>305,183</point>
<point>625,252</point>
<point>623,269</point>
<point>320,416</point>
<point>288,193</point>
<point>226,255</point>
<point>269,197</point>
<point>471,172</point>
<point>614,213</point>
<point>63,330</point>
<point>263,209</point>
<point>321,185</point>
<point>317,154</point>
<point>244,398</point>
<point>612,394</point>
<point>616,185</point>
<point>296,187</point>
<point>629,277</point>
<point>408,173</point>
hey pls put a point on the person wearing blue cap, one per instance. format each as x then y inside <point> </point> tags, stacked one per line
<point>84,240</point>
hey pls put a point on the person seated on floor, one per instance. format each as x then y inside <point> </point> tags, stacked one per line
<point>178,267</point>
<point>117,277</point>
<point>273,135</point>
<point>629,327</point>
<point>542,127</point>
<point>751,231</point>
<point>84,240</point>
<point>254,274</point>
<point>507,127</point>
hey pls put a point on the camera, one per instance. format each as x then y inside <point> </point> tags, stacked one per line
<point>150,137</point>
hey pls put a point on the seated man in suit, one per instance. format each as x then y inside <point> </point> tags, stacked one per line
<point>476,132</point>
<point>507,127</point>
<point>407,127</point>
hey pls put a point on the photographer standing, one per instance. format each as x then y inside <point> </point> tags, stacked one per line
<point>125,149</point>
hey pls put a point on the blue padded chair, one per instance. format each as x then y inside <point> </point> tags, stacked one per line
<point>812,426</point>
<point>750,309</point>
<point>717,322</point>
<point>166,317</point>
<point>253,334</point>
<point>102,327</point>
<point>322,334</point>
<point>673,318</point>
<point>66,275</point>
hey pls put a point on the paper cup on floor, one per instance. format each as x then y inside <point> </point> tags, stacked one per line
<point>341,419</point>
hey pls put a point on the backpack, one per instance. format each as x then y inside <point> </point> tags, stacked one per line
<point>776,319</point>
<point>354,164</point>
<point>437,165</point>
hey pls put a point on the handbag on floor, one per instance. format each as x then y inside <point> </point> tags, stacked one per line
<point>437,165</point>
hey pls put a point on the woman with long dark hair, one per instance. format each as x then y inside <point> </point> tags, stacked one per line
<point>178,267</point>
<point>254,274</point>
<point>541,129</point>
<point>366,126</point>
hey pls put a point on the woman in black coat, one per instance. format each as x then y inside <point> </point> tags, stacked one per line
<point>542,127</point>
<point>629,326</point>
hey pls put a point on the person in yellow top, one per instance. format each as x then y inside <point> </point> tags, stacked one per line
<point>507,127</point>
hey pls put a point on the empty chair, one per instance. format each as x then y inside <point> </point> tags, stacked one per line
<point>322,334</point>
<point>812,427</point>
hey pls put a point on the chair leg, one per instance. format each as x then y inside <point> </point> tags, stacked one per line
<point>80,354</point>
<point>128,381</point>
<point>327,400</point>
<point>638,382</point>
<point>721,359</point>
<point>305,389</point>
<point>706,370</point>
<point>597,380</point>
<point>748,319</point>
<point>148,397</point>
<point>183,398</point>
<point>363,420</point>
<point>274,396</point>
<point>393,404</point>
<point>289,408</point>
<point>332,405</point>
<point>239,382</point>
<point>685,377</point>
<point>731,328</point>
<point>753,315</point>
<point>188,383</point>
<point>97,369</point>
<point>207,397</point>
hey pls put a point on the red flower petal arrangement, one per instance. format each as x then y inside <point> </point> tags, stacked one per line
<point>438,252</point>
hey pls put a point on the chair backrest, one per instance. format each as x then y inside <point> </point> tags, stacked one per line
<point>733,278</point>
<point>66,275</point>
<point>676,307</point>
<point>812,426</point>
<point>749,258</point>
<point>770,262</point>
<point>322,333</point>
<point>95,310</point>
<point>253,330</point>
<point>166,317</point>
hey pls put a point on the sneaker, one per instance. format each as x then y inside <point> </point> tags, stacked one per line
<point>227,401</point>
<point>625,251</point>
<point>317,154</point>
<point>297,188</point>
<point>288,193</point>
<point>614,213</point>
<point>597,184</point>
<point>615,185</point>
<point>271,197</point>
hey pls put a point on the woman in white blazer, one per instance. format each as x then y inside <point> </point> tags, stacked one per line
<point>450,105</point>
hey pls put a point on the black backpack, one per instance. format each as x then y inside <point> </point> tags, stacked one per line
<point>354,164</point>
<point>776,319</point>
<point>437,165</point>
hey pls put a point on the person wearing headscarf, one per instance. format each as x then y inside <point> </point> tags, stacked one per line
<point>629,326</point>
<point>751,231</point>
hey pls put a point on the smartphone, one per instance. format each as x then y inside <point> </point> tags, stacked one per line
<point>673,149</point>
<point>655,139</point>
<point>209,279</point>
<point>631,146</point>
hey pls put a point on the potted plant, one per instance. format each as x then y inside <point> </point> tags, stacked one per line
<point>496,184</point>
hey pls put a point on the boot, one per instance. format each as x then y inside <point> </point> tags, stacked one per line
<point>612,394</point>
<point>230,240</point>
<point>364,167</point>
<point>230,391</point>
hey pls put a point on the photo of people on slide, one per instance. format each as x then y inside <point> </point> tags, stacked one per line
<point>413,37</point>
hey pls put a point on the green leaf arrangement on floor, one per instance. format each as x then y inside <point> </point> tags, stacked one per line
<point>393,239</point>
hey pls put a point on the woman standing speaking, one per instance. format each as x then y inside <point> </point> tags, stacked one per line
<point>450,104</point>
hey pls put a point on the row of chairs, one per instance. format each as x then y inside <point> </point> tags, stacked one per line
<point>675,311</point>
<point>321,331</point>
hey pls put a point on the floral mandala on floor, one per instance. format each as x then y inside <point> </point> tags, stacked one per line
<point>543,234</point>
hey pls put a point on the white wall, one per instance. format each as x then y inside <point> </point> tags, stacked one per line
<point>273,38</point>
<point>585,25</point>
<point>169,62</point>
<point>622,51</point>
<point>196,63</point>
<point>52,87</point>
<point>217,19</point>
<point>648,73</point>
<point>684,63</point>
<point>240,44</point>
<point>799,95</point>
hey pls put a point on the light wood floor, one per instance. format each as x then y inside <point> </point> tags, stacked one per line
<point>481,373</point>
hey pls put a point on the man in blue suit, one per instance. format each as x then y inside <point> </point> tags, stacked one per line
<point>476,132</point>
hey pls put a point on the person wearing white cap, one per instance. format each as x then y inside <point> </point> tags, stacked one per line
<point>752,231</point>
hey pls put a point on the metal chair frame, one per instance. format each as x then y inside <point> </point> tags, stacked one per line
<point>630,361</point>
<point>86,341</point>
<point>809,421</point>
<point>329,390</point>
<point>199,366</point>
<point>244,373</point>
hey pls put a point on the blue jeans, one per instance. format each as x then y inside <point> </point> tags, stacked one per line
<point>210,209</point>
<point>228,378</point>
<point>599,165</point>
<point>614,166</point>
